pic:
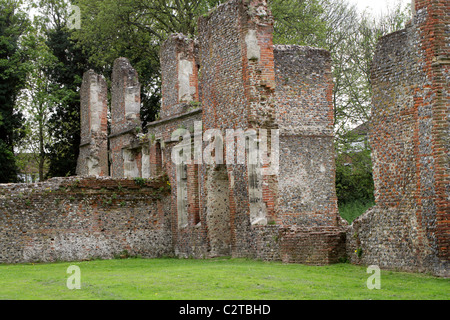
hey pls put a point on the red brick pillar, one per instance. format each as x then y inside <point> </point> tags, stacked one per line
<point>410,144</point>
<point>432,19</point>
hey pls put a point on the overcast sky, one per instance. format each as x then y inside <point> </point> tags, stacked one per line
<point>377,6</point>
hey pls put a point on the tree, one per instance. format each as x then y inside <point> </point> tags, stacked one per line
<point>352,38</point>
<point>298,22</point>
<point>53,98</point>
<point>39,97</point>
<point>135,29</point>
<point>13,70</point>
<point>64,124</point>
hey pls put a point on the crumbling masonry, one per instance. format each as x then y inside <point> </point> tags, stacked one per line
<point>131,196</point>
<point>93,158</point>
<point>410,226</point>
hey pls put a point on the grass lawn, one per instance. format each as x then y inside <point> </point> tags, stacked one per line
<point>352,210</point>
<point>217,279</point>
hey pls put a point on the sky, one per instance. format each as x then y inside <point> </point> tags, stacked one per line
<point>377,6</point>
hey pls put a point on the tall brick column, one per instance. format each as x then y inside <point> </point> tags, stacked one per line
<point>410,141</point>
<point>93,158</point>
<point>237,81</point>
<point>125,119</point>
<point>433,22</point>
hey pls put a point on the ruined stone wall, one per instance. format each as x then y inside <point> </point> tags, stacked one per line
<point>190,240</point>
<point>74,219</point>
<point>313,246</point>
<point>125,120</point>
<point>179,87</point>
<point>93,158</point>
<point>214,209</point>
<point>305,116</point>
<point>237,82</point>
<point>236,57</point>
<point>228,80</point>
<point>180,110</point>
<point>410,228</point>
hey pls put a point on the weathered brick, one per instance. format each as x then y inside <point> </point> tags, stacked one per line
<point>73,219</point>
<point>93,158</point>
<point>410,142</point>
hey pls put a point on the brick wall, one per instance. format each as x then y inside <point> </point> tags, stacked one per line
<point>237,82</point>
<point>93,158</point>
<point>305,116</point>
<point>125,116</point>
<point>313,246</point>
<point>233,77</point>
<point>410,142</point>
<point>179,75</point>
<point>73,219</point>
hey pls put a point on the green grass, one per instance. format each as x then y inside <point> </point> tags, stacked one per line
<point>352,210</point>
<point>217,279</point>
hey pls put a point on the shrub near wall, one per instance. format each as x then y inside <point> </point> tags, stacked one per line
<point>68,219</point>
